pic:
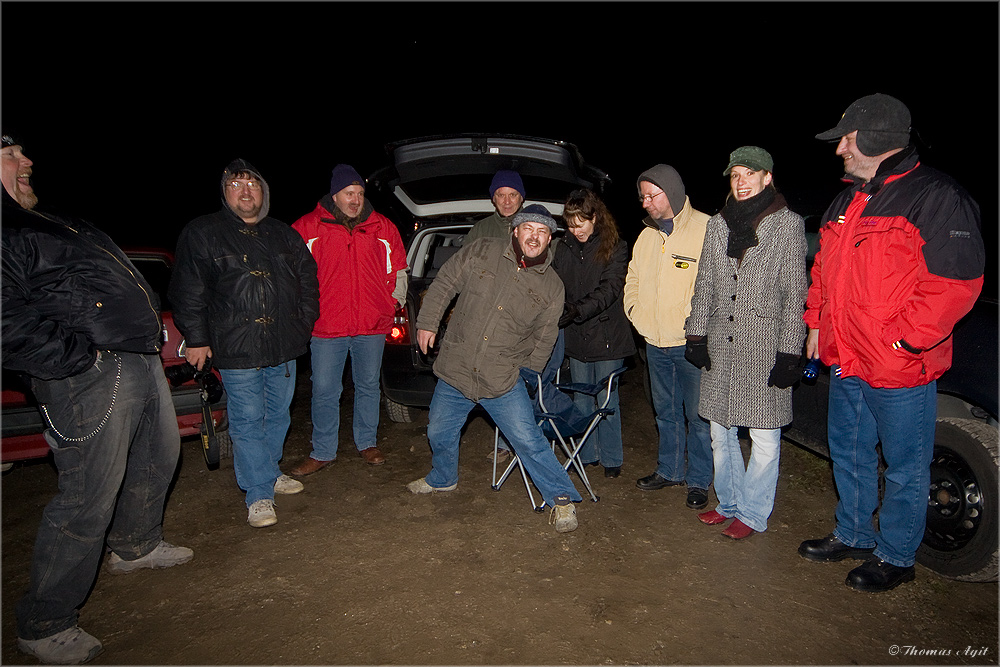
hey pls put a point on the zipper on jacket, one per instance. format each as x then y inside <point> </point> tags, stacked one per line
<point>110,254</point>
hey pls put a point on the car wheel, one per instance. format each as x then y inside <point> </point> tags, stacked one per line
<point>225,444</point>
<point>399,413</point>
<point>960,541</point>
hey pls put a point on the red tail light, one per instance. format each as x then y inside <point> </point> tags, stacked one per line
<point>400,332</point>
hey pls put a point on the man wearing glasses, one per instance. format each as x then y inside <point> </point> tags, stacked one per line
<point>245,296</point>
<point>658,290</point>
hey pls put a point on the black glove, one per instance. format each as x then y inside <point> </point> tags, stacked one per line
<point>570,313</point>
<point>696,351</point>
<point>787,370</point>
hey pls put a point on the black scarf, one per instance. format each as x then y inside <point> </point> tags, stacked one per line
<point>742,218</point>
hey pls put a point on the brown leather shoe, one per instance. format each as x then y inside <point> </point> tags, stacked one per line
<point>372,456</point>
<point>308,467</point>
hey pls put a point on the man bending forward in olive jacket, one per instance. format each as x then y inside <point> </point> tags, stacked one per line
<point>506,317</point>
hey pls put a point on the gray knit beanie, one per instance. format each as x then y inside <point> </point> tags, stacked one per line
<point>535,213</point>
<point>667,179</point>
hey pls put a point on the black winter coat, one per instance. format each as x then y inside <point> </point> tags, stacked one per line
<point>69,291</point>
<point>601,331</point>
<point>248,291</point>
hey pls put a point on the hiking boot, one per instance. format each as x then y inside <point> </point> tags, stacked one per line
<point>421,486</point>
<point>164,555</point>
<point>262,514</point>
<point>72,646</point>
<point>564,516</point>
<point>285,485</point>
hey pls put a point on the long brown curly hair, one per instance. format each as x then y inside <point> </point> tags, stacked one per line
<point>586,205</point>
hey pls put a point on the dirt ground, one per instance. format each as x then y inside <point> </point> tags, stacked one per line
<point>360,571</point>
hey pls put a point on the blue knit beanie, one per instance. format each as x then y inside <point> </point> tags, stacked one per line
<point>343,176</point>
<point>507,178</point>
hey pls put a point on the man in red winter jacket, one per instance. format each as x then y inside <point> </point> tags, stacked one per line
<point>900,262</point>
<point>362,276</point>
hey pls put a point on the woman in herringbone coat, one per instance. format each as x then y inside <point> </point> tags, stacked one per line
<point>746,332</point>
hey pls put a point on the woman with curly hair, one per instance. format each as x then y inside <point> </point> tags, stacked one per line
<point>592,260</point>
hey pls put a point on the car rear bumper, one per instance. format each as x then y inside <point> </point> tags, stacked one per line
<point>404,383</point>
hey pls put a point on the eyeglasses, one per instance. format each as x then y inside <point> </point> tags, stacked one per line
<point>648,198</point>
<point>238,185</point>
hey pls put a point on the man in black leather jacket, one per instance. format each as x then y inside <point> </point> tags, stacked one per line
<point>81,322</point>
<point>245,293</point>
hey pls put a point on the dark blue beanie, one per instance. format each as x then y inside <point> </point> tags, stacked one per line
<point>507,178</point>
<point>343,176</point>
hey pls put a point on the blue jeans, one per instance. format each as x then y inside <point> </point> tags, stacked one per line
<point>513,413</point>
<point>116,477</point>
<point>675,384</point>
<point>904,421</point>
<point>746,493</point>
<point>605,443</point>
<point>259,399</point>
<point>329,356</point>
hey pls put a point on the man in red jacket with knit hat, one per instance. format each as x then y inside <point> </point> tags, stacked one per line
<point>362,276</point>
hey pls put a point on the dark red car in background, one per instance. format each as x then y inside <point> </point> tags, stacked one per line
<point>22,424</point>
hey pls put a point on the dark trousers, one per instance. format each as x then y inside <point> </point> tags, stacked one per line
<point>132,449</point>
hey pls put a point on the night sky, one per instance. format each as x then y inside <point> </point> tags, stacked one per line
<point>131,110</point>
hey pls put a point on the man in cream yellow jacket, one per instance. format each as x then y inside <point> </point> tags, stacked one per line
<point>658,291</point>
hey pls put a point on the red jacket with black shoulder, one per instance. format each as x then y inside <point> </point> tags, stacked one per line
<point>900,259</point>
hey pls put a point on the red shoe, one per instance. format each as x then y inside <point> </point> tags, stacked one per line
<point>711,517</point>
<point>738,530</point>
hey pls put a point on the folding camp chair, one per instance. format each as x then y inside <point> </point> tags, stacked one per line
<point>514,462</point>
<point>572,439</point>
<point>566,426</point>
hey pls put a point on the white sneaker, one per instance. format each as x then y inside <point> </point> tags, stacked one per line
<point>262,514</point>
<point>72,646</point>
<point>285,485</point>
<point>421,486</point>
<point>164,555</point>
<point>564,516</point>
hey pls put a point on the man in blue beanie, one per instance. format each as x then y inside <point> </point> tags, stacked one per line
<point>361,266</point>
<point>507,194</point>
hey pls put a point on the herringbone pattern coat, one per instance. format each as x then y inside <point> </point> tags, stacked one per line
<point>749,313</point>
